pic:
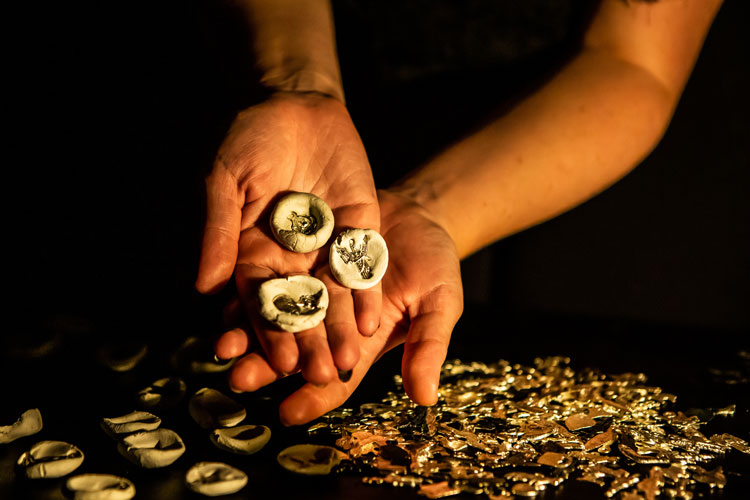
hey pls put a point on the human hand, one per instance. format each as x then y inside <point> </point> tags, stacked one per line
<point>422,301</point>
<point>302,142</point>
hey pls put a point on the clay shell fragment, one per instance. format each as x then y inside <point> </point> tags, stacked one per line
<point>215,478</point>
<point>358,258</point>
<point>152,449</point>
<point>310,459</point>
<point>30,422</point>
<point>122,357</point>
<point>243,440</point>
<point>302,222</point>
<point>210,408</point>
<point>132,422</point>
<point>295,303</point>
<point>163,393</point>
<point>99,487</point>
<point>50,459</point>
<point>196,355</point>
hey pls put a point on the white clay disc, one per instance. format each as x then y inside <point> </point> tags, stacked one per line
<point>302,222</point>
<point>310,459</point>
<point>294,303</point>
<point>196,355</point>
<point>243,440</point>
<point>210,409</point>
<point>132,422</point>
<point>99,487</point>
<point>152,449</point>
<point>358,258</point>
<point>30,422</point>
<point>163,393</point>
<point>50,459</point>
<point>215,478</point>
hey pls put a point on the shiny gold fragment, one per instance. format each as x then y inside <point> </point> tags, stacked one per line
<point>579,421</point>
<point>438,490</point>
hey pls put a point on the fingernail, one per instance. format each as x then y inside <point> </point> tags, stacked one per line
<point>321,386</point>
<point>236,391</point>
<point>345,375</point>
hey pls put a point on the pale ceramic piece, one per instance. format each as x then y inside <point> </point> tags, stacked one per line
<point>132,422</point>
<point>310,459</point>
<point>294,303</point>
<point>30,422</point>
<point>210,408</point>
<point>302,222</point>
<point>99,487</point>
<point>243,440</point>
<point>152,449</point>
<point>196,355</point>
<point>122,357</point>
<point>358,258</point>
<point>215,478</point>
<point>50,459</point>
<point>163,393</point>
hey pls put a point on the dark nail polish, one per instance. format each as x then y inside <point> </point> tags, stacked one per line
<point>345,375</point>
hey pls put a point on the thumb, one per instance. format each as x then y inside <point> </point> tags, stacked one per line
<point>221,233</point>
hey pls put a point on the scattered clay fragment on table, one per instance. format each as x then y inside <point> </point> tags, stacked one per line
<point>163,394</point>
<point>210,409</point>
<point>358,258</point>
<point>294,303</point>
<point>215,478</point>
<point>152,449</point>
<point>196,355</point>
<point>243,440</point>
<point>50,459</point>
<point>122,357</point>
<point>310,459</point>
<point>301,222</point>
<point>132,422</point>
<point>99,487</point>
<point>30,422</point>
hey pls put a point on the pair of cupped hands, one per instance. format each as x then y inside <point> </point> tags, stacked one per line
<point>306,142</point>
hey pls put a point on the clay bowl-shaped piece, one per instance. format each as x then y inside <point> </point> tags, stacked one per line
<point>152,449</point>
<point>210,408</point>
<point>294,303</point>
<point>243,440</point>
<point>164,393</point>
<point>310,459</point>
<point>215,478</point>
<point>132,422</point>
<point>358,258</point>
<point>50,459</point>
<point>302,222</point>
<point>30,422</point>
<point>99,487</point>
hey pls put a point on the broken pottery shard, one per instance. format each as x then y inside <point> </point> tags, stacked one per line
<point>152,449</point>
<point>310,459</point>
<point>99,487</point>
<point>30,422</point>
<point>301,222</point>
<point>215,478</point>
<point>210,408</point>
<point>132,422</point>
<point>294,303</point>
<point>358,258</point>
<point>196,355</point>
<point>122,357</point>
<point>49,459</point>
<point>243,440</point>
<point>163,394</point>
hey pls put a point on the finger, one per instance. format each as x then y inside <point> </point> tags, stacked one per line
<point>315,359</point>
<point>232,343</point>
<point>367,306</point>
<point>424,352</point>
<point>222,231</point>
<point>251,373</point>
<point>341,326</point>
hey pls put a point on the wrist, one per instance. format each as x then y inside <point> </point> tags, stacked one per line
<point>303,81</point>
<point>422,196</point>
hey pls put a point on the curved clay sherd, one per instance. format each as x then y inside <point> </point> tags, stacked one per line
<point>163,394</point>
<point>215,478</point>
<point>132,422</point>
<point>302,222</point>
<point>358,258</point>
<point>196,355</point>
<point>243,440</point>
<point>49,459</point>
<point>210,409</point>
<point>152,449</point>
<point>122,357</point>
<point>310,459</point>
<point>294,303</point>
<point>30,422</point>
<point>99,487</point>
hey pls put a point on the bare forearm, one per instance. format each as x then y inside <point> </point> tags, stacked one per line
<point>294,45</point>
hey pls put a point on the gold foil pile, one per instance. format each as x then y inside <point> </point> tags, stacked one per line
<point>509,431</point>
